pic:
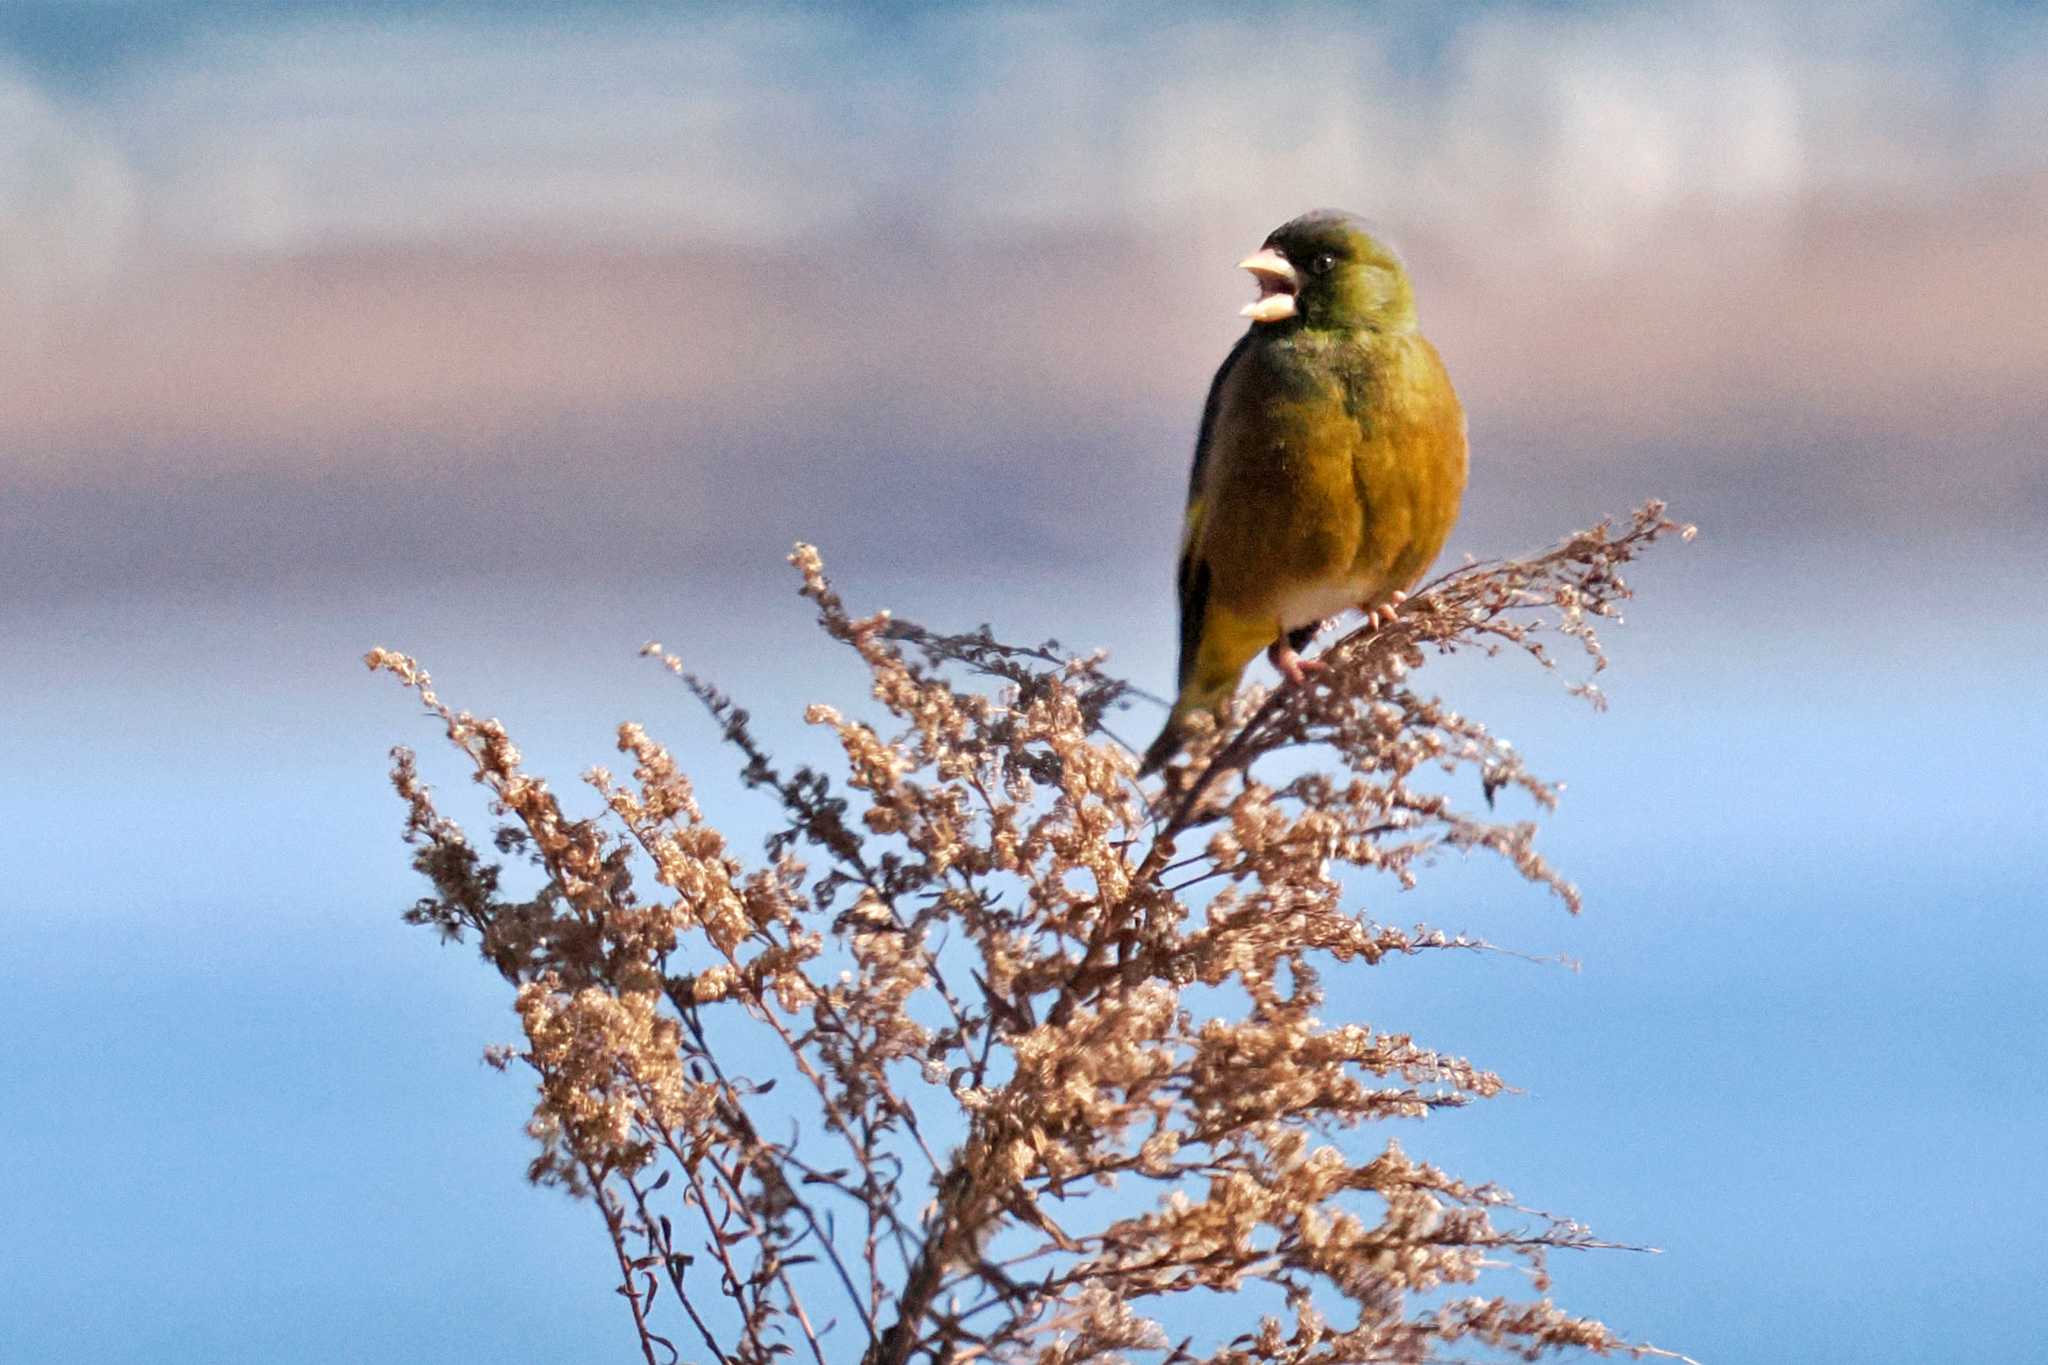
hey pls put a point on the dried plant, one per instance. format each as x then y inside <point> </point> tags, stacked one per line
<point>992,1054</point>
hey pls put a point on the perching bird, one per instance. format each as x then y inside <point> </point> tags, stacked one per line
<point>1329,466</point>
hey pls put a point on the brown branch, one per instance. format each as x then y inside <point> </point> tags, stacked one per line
<point>1126,1008</point>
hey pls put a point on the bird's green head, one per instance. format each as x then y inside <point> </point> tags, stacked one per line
<point>1325,269</point>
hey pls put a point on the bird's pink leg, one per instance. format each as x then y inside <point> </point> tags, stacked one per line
<point>1384,614</point>
<point>1292,666</point>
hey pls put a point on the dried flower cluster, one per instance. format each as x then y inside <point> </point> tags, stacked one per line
<point>993,1054</point>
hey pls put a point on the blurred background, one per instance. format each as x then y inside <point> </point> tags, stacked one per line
<point>513,335</point>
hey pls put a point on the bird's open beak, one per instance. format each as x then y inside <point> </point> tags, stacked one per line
<point>1278,281</point>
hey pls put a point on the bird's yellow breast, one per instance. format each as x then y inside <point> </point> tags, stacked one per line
<point>1339,466</point>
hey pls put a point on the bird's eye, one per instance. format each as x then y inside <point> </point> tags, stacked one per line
<point>1324,263</point>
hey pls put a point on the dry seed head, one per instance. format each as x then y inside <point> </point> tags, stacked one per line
<point>1003,978</point>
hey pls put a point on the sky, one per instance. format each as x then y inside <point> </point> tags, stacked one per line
<point>513,336</point>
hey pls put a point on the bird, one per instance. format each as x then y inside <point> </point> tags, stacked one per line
<point>1329,466</point>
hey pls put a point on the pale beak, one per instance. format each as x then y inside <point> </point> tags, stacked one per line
<point>1278,281</point>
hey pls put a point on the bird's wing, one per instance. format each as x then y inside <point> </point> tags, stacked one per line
<point>1192,576</point>
<point>1205,438</point>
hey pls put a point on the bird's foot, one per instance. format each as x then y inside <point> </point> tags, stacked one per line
<point>1384,614</point>
<point>1292,666</point>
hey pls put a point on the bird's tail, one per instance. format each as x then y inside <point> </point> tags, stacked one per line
<point>1213,658</point>
<point>1162,749</point>
<point>1202,696</point>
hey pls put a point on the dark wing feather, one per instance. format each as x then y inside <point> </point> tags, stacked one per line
<point>1194,600</point>
<point>1192,577</point>
<point>1209,407</point>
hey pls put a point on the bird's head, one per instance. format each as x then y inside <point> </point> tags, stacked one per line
<point>1326,269</point>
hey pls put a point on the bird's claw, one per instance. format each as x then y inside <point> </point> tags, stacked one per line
<point>1292,666</point>
<point>1383,615</point>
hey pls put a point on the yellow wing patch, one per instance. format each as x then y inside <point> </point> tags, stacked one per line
<point>1191,526</point>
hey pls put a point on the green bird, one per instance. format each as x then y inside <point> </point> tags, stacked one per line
<point>1329,467</point>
